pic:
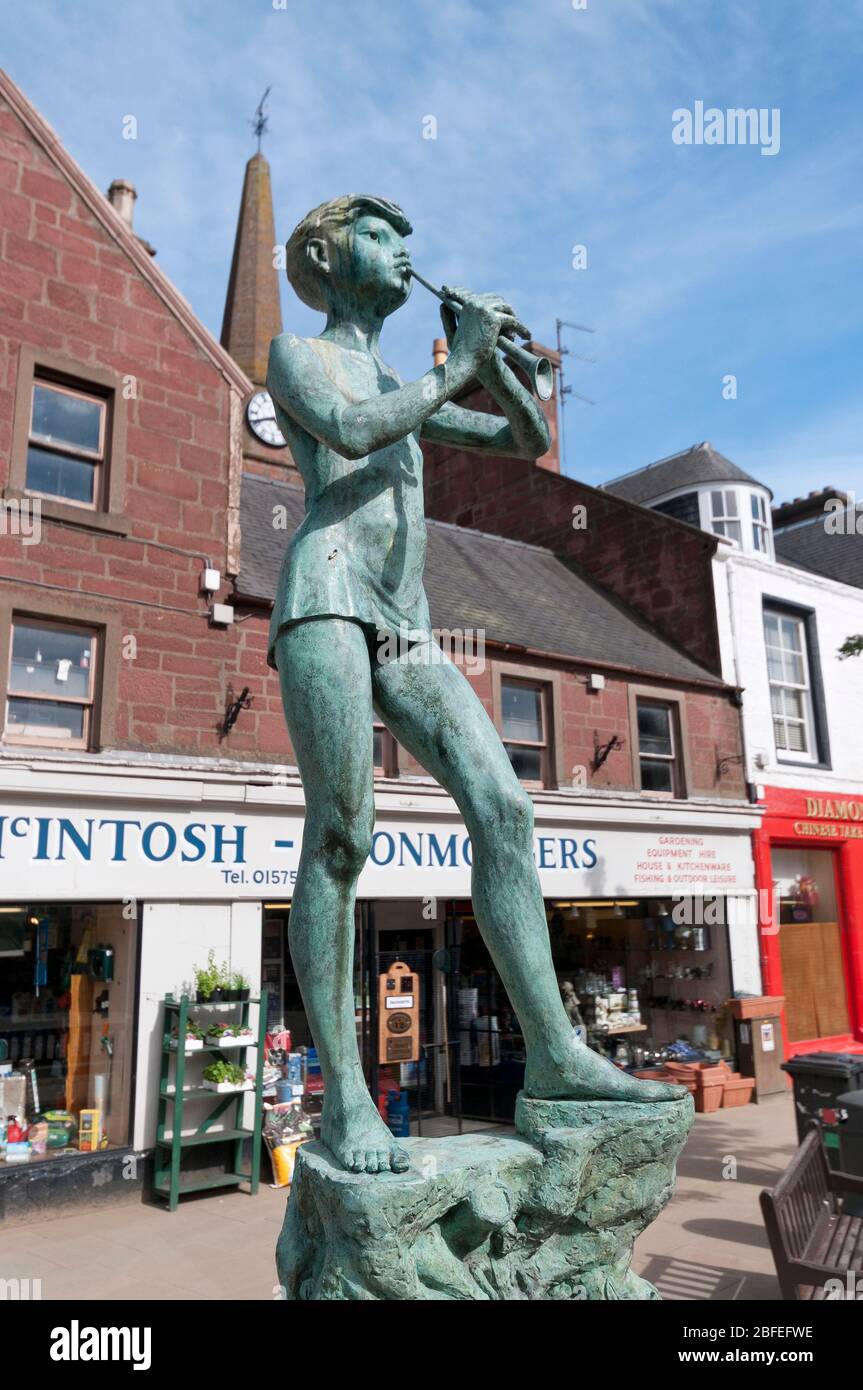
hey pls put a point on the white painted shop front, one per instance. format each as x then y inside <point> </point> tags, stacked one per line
<point>192,855</point>
<point>179,839</point>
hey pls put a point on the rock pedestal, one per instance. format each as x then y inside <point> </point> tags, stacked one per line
<point>550,1213</point>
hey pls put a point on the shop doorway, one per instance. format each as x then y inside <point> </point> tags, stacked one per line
<point>814,979</point>
<point>400,931</point>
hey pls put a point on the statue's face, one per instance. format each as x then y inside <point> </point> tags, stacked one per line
<point>380,264</point>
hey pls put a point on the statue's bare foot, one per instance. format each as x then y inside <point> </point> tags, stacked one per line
<point>581,1074</point>
<point>355,1134</point>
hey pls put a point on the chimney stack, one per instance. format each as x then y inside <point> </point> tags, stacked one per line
<point>121,196</point>
<point>440,351</point>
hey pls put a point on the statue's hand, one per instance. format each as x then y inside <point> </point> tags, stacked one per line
<point>482,318</point>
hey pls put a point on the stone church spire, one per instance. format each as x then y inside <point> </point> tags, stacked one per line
<point>253,313</point>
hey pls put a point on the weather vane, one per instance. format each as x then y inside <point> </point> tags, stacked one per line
<point>259,120</point>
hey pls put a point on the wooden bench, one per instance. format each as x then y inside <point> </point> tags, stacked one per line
<point>811,1239</point>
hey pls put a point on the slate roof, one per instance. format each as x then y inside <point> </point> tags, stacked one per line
<point>518,593</point>
<point>698,465</point>
<point>810,546</point>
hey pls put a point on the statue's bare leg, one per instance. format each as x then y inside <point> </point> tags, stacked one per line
<point>324,669</point>
<point>433,711</point>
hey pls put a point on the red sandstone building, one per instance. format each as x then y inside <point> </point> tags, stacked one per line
<point>148,797</point>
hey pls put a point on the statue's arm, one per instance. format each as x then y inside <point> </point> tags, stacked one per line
<point>296,380</point>
<point>522,432</point>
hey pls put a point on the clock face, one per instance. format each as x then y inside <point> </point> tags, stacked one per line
<point>261,415</point>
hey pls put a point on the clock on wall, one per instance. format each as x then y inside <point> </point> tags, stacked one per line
<point>261,415</point>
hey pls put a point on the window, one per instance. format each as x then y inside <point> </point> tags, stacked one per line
<point>657,748</point>
<point>725,519</point>
<point>52,1016</point>
<point>790,687</point>
<point>385,756</point>
<point>683,508</point>
<point>50,695</point>
<point>69,440</point>
<point>66,445</point>
<point>760,524</point>
<point>524,724</point>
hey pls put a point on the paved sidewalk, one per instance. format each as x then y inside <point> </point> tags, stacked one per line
<point>709,1243</point>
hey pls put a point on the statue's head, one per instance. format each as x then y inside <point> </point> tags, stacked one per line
<point>351,252</point>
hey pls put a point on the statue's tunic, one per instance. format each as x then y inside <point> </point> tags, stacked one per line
<point>360,550</point>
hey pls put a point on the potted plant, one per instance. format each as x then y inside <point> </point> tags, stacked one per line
<point>224,1077</point>
<point>238,1035</point>
<point>194,1036</point>
<point>230,1035</point>
<point>224,977</point>
<point>216,976</point>
<point>204,982</point>
<point>242,988</point>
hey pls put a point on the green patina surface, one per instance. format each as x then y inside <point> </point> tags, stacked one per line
<point>352,576</point>
<point>549,1214</point>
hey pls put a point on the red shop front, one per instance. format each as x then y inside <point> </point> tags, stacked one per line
<point>809,872</point>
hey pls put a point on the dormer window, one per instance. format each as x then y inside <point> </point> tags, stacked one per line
<point>724,515</point>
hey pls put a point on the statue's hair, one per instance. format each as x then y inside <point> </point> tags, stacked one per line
<point>325,221</point>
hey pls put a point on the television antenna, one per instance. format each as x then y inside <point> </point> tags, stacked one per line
<point>565,391</point>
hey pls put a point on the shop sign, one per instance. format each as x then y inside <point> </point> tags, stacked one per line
<point>833,818</point>
<point>834,808</point>
<point>53,853</point>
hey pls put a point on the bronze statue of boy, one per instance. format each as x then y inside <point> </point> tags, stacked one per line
<point>352,577</point>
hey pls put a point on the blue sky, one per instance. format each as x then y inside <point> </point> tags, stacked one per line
<point>553,130</point>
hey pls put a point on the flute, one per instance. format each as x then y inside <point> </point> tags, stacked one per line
<point>538,370</point>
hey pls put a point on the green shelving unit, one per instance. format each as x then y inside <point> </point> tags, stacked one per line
<point>170,1181</point>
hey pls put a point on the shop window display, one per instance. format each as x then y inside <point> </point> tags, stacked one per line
<point>810,944</point>
<point>640,986</point>
<point>66,1014</point>
<point>645,980</point>
<point>636,982</point>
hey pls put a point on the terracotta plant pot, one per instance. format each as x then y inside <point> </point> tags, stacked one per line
<point>738,1091</point>
<point>708,1099</point>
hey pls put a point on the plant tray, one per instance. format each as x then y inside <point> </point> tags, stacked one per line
<point>235,1042</point>
<point>225,1088</point>
<point>192,1044</point>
